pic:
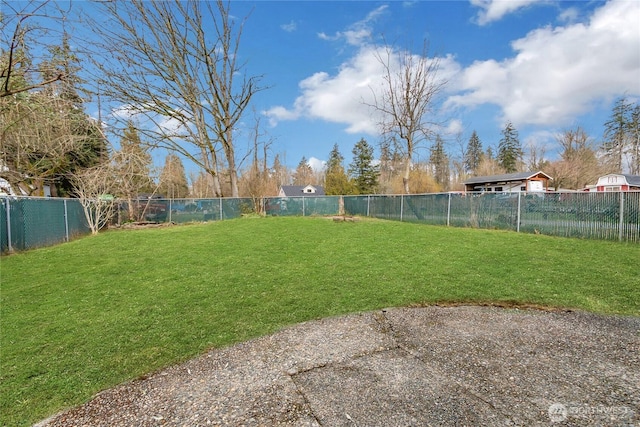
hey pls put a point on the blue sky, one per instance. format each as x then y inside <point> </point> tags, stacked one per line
<point>545,66</point>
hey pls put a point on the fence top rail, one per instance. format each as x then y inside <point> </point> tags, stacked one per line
<point>10,197</point>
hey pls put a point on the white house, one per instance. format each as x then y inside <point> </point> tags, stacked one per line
<point>616,182</point>
<point>301,190</point>
<point>5,188</point>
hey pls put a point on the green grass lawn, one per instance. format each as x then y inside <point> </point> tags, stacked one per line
<point>84,316</point>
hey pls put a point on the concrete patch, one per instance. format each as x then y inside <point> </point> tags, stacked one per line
<point>404,366</point>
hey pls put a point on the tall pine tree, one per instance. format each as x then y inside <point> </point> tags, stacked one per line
<point>439,163</point>
<point>173,179</point>
<point>474,153</point>
<point>509,150</point>
<point>363,170</point>
<point>336,181</point>
<point>304,173</point>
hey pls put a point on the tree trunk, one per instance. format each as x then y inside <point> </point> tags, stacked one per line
<point>407,172</point>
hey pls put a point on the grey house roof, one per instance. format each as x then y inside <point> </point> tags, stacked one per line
<point>632,179</point>
<point>518,176</point>
<point>297,190</point>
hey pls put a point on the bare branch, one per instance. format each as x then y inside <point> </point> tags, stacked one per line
<point>407,98</point>
<point>176,71</point>
<point>18,41</point>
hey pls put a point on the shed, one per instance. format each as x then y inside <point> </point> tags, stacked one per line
<point>511,182</point>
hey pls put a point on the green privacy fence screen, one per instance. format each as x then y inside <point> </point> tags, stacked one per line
<point>27,223</point>
<point>608,216</point>
<point>189,210</point>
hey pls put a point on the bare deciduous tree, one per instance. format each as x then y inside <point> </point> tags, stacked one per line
<point>200,186</point>
<point>488,165</point>
<point>578,164</point>
<point>186,80</point>
<point>93,187</point>
<point>257,181</point>
<point>406,101</point>
<point>18,71</point>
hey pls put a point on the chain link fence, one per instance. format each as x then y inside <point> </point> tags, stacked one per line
<point>27,223</point>
<point>189,210</point>
<point>607,216</point>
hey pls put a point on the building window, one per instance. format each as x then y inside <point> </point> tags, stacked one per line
<point>617,188</point>
<point>523,188</point>
<point>498,188</point>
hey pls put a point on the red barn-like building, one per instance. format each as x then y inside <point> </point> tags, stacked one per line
<point>616,182</point>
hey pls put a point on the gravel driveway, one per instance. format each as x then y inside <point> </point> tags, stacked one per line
<point>440,366</point>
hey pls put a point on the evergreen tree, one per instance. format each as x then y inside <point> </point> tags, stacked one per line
<point>439,163</point>
<point>509,150</point>
<point>336,181</point>
<point>489,153</point>
<point>132,166</point>
<point>365,174</point>
<point>303,174</point>
<point>473,155</point>
<point>280,174</point>
<point>335,159</point>
<point>47,138</point>
<point>134,162</point>
<point>173,179</point>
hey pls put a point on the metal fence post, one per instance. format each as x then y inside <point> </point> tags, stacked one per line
<point>170,208</point>
<point>449,211</point>
<point>621,224</point>
<point>7,207</point>
<point>66,221</point>
<point>401,206</point>
<point>220,199</point>
<point>518,213</point>
<point>303,205</point>
<point>368,205</point>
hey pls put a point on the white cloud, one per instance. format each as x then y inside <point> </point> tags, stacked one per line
<point>280,113</point>
<point>494,10</point>
<point>290,27</point>
<point>559,73</point>
<point>170,126</point>
<point>337,98</point>
<point>359,32</point>
<point>126,112</point>
<point>569,15</point>
<point>454,127</point>
<point>144,116</point>
<point>347,96</point>
<point>316,164</point>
